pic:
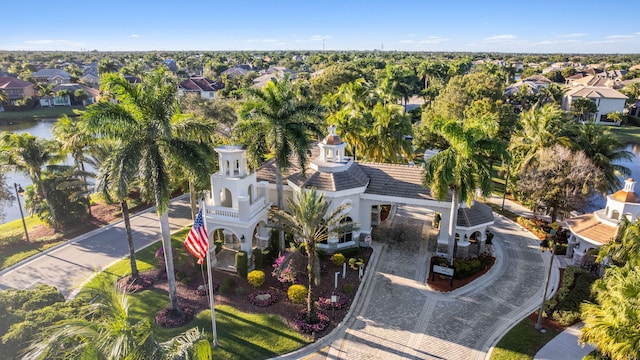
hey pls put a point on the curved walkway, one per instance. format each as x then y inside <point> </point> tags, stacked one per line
<point>400,318</point>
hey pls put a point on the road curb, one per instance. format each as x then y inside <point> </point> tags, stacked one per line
<point>79,238</point>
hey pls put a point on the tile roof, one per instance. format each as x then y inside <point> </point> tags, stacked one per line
<point>595,92</point>
<point>353,177</point>
<point>475,215</point>
<point>73,87</point>
<point>396,180</point>
<point>588,226</point>
<point>200,84</point>
<point>51,73</point>
<point>9,82</point>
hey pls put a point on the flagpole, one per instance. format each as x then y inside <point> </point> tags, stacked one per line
<point>210,281</point>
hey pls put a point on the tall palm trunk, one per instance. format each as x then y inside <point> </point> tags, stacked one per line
<point>280,195</point>
<point>132,251</point>
<point>311,304</point>
<point>168,256</point>
<point>193,199</point>
<point>86,187</point>
<point>452,225</point>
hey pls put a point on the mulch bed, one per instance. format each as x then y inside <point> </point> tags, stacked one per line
<point>190,297</point>
<point>443,283</point>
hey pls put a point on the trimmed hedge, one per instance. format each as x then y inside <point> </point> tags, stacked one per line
<point>241,264</point>
<point>564,307</point>
<point>297,293</point>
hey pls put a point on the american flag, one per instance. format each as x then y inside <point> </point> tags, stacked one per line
<point>197,241</point>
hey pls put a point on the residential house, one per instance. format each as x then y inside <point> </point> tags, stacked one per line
<point>52,76</point>
<point>590,231</point>
<point>93,95</point>
<point>203,87</point>
<point>606,99</point>
<point>239,200</point>
<point>16,89</point>
<point>90,78</point>
<point>238,71</point>
<point>538,80</point>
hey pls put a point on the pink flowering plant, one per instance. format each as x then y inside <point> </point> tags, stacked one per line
<point>263,298</point>
<point>321,323</point>
<point>284,270</point>
<point>324,302</point>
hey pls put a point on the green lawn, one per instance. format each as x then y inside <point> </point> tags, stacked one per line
<point>42,113</point>
<point>13,245</point>
<point>627,134</point>
<point>522,342</point>
<point>240,335</point>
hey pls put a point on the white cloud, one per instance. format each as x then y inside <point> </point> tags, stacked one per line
<point>572,35</point>
<point>135,36</point>
<point>614,37</point>
<point>499,38</point>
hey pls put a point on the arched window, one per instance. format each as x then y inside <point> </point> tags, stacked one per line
<point>225,198</point>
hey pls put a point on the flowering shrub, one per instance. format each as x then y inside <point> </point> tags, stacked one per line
<point>338,259</point>
<point>256,278</point>
<point>297,293</point>
<point>263,298</point>
<point>284,274</point>
<point>168,318</point>
<point>355,263</point>
<point>325,301</point>
<point>300,322</point>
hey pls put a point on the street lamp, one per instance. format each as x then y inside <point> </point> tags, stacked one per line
<point>19,192</point>
<point>544,244</point>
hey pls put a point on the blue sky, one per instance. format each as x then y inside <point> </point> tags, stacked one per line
<point>443,25</point>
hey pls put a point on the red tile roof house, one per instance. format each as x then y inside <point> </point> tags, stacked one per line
<point>204,87</point>
<point>16,89</point>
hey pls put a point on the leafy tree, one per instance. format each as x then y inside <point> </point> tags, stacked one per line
<point>106,330</point>
<point>273,120</point>
<point>625,248</point>
<point>4,99</point>
<point>154,134</point>
<point>74,71</point>
<point>606,152</point>
<point>560,180</point>
<point>583,108</point>
<point>332,77</point>
<point>539,128</point>
<point>632,91</point>
<point>80,96</point>
<point>30,154</point>
<point>611,322</point>
<point>310,222</point>
<point>464,166</point>
<point>107,65</point>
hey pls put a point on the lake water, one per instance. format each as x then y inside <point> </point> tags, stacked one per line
<point>39,128</point>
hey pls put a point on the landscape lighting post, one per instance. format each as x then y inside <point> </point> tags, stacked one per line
<point>543,246</point>
<point>19,192</point>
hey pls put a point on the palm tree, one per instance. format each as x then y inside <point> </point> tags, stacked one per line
<point>386,141</point>
<point>605,151</point>
<point>153,135</point>
<point>540,127</point>
<point>75,141</point>
<point>611,322</point>
<point>625,248</point>
<point>464,166</point>
<point>106,330</point>
<point>114,182</point>
<point>274,120</point>
<point>3,97</point>
<point>30,154</point>
<point>348,109</point>
<point>309,223</point>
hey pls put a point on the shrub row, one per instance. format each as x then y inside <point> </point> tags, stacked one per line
<point>564,307</point>
<point>471,266</point>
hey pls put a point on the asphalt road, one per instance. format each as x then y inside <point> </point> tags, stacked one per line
<point>69,265</point>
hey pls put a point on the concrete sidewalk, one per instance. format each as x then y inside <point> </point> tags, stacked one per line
<point>564,346</point>
<point>70,264</point>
